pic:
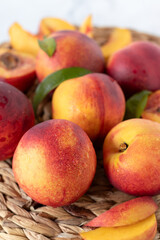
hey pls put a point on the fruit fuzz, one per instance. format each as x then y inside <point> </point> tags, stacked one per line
<point>95,102</point>
<point>55,162</point>
<point>136,67</point>
<point>16,117</point>
<point>73,49</point>
<point>131,157</point>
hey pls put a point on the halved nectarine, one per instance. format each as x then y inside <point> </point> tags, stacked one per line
<point>17,69</point>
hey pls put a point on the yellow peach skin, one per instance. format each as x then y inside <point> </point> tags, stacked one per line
<point>55,162</point>
<point>143,230</point>
<point>95,102</point>
<point>152,109</point>
<point>87,27</point>
<point>119,39</point>
<point>131,157</point>
<point>126,213</point>
<point>22,40</point>
<point>49,25</point>
<point>73,49</point>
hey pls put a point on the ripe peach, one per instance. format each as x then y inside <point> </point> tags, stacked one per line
<point>136,67</point>
<point>55,162</point>
<point>143,230</point>
<point>95,102</point>
<point>131,157</point>
<point>17,69</point>
<point>126,213</point>
<point>23,41</point>
<point>16,117</point>
<point>152,109</point>
<point>73,49</point>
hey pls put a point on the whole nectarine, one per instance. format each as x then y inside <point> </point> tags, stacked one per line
<point>55,162</point>
<point>95,102</point>
<point>136,67</point>
<point>16,117</point>
<point>73,49</point>
<point>131,155</point>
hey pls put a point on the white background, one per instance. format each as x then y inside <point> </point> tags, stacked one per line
<point>142,15</point>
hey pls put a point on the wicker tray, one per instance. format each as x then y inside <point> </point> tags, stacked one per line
<point>22,219</point>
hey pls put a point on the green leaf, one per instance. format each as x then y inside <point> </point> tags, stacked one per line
<point>53,80</point>
<point>48,45</point>
<point>136,104</point>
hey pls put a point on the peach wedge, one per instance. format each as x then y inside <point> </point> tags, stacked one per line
<point>119,39</point>
<point>126,213</point>
<point>143,230</point>
<point>87,27</point>
<point>22,40</point>
<point>50,25</point>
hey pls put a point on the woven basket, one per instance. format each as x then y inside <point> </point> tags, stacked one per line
<point>22,219</point>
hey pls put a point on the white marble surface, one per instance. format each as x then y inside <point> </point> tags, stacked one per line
<point>142,15</point>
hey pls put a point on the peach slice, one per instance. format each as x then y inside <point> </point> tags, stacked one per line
<point>50,25</point>
<point>152,109</point>
<point>22,40</point>
<point>119,39</point>
<point>17,69</point>
<point>87,27</point>
<point>143,230</point>
<point>126,213</point>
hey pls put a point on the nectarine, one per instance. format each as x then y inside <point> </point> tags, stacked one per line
<point>95,102</point>
<point>131,156</point>
<point>55,162</point>
<point>136,67</point>
<point>16,117</point>
<point>73,49</point>
<point>17,69</point>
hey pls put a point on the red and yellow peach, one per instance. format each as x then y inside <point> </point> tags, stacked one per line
<point>95,102</point>
<point>131,157</point>
<point>73,49</point>
<point>16,117</point>
<point>55,162</point>
<point>136,67</point>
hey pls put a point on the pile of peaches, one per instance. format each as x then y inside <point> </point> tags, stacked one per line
<point>97,90</point>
